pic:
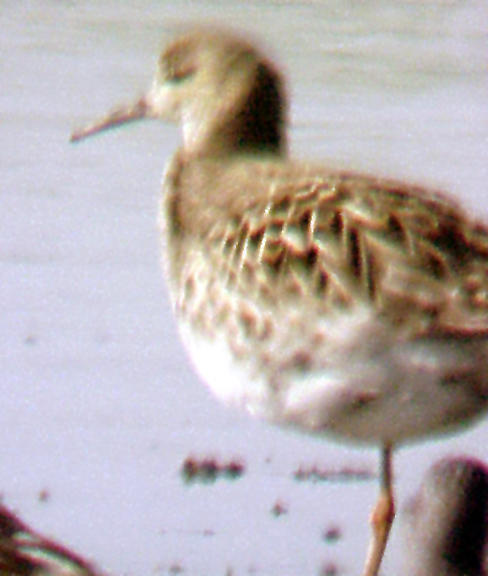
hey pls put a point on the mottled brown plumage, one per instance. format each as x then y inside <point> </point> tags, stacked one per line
<point>340,239</point>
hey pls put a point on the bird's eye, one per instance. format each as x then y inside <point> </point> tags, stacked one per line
<point>178,74</point>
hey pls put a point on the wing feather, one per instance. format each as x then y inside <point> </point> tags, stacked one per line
<point>343,239</point>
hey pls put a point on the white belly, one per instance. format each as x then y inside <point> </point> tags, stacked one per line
<point>359,382</point>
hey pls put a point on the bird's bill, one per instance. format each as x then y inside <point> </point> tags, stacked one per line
<point>123,115</point>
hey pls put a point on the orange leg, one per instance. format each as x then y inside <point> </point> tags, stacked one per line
<point>382,516</point>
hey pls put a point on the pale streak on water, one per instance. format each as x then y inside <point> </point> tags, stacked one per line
<point>99,404</point>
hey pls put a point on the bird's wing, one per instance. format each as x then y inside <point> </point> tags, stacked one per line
<point>342,239</point>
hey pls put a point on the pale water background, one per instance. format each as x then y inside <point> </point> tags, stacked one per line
<point>98,403</point>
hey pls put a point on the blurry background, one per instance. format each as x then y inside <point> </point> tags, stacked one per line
<point>99,406</point>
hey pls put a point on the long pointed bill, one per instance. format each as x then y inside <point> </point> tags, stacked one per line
<point>138,111</point>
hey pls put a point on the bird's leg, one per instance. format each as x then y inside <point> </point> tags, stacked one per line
<point>382,516</point>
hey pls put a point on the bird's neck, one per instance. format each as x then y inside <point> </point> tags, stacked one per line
<point>239,137</point>
<point>250,122</point>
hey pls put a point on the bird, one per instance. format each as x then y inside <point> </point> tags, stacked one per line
<point>337,303</point>
<point>446,522</point>
<point>25,552</point>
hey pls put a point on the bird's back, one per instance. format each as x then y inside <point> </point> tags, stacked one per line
<point>273,231</point>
